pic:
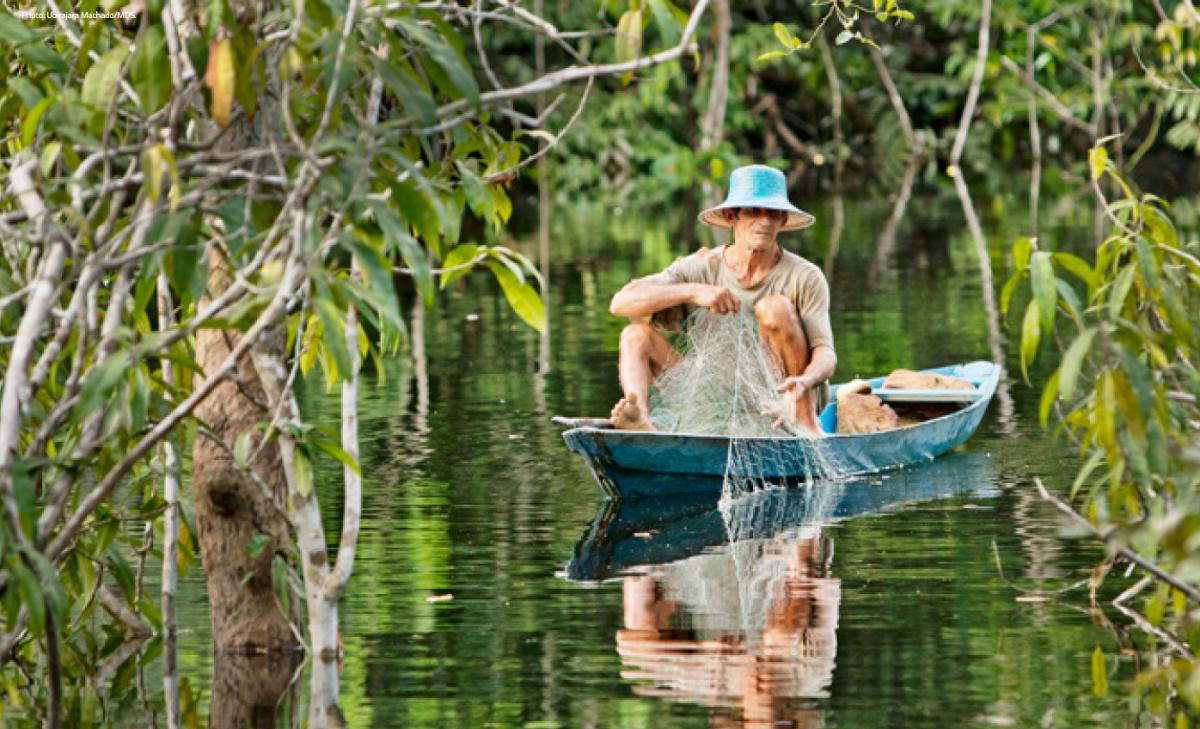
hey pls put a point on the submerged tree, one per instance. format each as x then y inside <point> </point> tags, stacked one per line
<point>203,202</point>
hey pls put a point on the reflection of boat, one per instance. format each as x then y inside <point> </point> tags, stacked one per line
<point>639,463</point>
<point>734,605</point>
<point>629,533</point>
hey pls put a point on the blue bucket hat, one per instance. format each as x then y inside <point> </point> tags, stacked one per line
<point>757,186</point>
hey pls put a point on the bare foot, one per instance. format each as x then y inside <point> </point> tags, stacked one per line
<point>628,415</point>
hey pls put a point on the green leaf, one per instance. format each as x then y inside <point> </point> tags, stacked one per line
<point>1098,161</point>
<point>1099,673</point>
<point>1140,378</point>
<point>844,37</point>
<point>26,496</point>
<point>415,257</point>
<point>446,58</point>
<point>1069,299</point>
<point>771,55</point>
<point>338,453</point>
<point>1161,228</point>
<point>629,36</point>
<point>302,473</point>
<point>152,167</point>
<point>667,20</point>
<point>120,569</point>
<point>458,257</point>
<point>1120,290</point>
<point>279,583</point>
<point>1106,412</point>
<point>1044,293</point>
<point>1093,462</point>
<point>1049,392</point>
<point>29,94</point>
<point>1128,404</point>
<point>102,379</point>
<point>1010,287</point>
<point>14,31</point>
<point>101,79</point>
<point>1079,267</point>
<point>1021,252</point>
<point>333,327</point>
<point>408,90</point>
<point>29,126</point>
<point>150,611</point>
<point>523,298</point>
<point>248,78</point>
<point>476,192</point>
<point>784,35</point>
<point>377,271</point>
<point>1073,361</point>
<point>1029,338</point>
<point>30,593</point>
<point>40,55</point>
<point>256,545</point>
<point>241,449</point>
<point>420,211</point>
<point>151,77</point>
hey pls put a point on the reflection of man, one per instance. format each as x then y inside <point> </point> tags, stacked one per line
<point>754,642</point>
<point>789,296</point>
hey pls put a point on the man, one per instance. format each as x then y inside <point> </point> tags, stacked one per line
<point>789,297</point>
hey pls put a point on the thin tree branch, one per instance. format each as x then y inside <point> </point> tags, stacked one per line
<point>578,73</point>
<point>1076,518</point>
<point>1051,100</point>
<point>964,125</point>
<point>118,472</point>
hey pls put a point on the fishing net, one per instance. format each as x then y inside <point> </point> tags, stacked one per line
<point>724,380</point>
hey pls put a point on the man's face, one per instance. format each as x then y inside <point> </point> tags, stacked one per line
<point>755,228</point>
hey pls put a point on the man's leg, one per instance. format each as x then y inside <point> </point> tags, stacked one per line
<point>644,355</point>
<point>783,337</point>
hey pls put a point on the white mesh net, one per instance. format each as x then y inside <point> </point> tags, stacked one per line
<point>721,386</point>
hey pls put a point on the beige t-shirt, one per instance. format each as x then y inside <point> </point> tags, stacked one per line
<point>797,279</point>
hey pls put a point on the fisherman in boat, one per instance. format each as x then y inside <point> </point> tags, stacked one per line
<point>787,294</point>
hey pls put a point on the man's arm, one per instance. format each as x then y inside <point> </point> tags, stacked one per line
<point>646,298</point>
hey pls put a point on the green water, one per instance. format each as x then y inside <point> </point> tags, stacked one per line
<point>892,616</point>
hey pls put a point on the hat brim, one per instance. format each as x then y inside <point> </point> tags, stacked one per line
<point>797,219</point>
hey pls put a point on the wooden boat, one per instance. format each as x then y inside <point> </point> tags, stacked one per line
<point>631,533</point>
<point>635,464</point>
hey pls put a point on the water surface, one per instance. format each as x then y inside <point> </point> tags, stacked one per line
<point>889,612</point>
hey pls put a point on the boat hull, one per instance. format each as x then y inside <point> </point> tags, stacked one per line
<point>636,464</point>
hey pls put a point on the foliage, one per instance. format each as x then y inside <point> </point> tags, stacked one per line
<point>641,141</point>
<point>1126,389</point>
<point>235,171</point>
<point>847,14</point>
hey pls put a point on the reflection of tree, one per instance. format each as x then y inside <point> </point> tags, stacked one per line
<point>752,645</point>
<point>248,690</point>
<point>885,244</point>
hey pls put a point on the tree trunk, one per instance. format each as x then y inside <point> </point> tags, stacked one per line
<point>712,126</point>
<point>231,508</point>
<point>233,503</point>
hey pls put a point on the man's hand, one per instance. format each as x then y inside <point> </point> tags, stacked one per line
<point>794,388</point>
<point>717,299</point>
<point>784,411</point>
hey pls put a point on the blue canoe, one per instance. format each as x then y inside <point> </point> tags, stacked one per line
<point>635,464</point>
